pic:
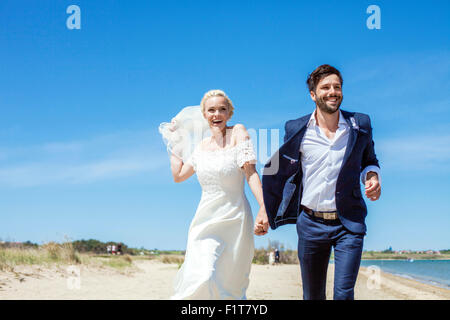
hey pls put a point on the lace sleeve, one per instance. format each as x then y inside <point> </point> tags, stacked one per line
<point>245,152</point>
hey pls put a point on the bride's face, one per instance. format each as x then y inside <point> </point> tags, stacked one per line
<point>216,112</point>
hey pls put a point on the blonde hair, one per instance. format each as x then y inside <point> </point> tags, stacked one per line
<point>217,93</point>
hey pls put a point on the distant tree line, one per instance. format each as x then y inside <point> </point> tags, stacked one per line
<point>19,245</point>
<point>82,246</point>
<point>96,246</point>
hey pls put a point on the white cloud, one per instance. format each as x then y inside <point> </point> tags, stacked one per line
<point>424,152</point>
<point>76,162</point>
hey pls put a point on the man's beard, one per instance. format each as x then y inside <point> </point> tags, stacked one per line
<point>326,108</point>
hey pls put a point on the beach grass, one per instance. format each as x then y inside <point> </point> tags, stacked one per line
<point>119,262</point>
<point>171,259</point>
<point>49,253</point>
<point>58,254</point>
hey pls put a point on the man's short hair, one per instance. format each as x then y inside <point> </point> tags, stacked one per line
<point>321,72</point>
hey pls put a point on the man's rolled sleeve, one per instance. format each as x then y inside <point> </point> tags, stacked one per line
<point>370,169</point>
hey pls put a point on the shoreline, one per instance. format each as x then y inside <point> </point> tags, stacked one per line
<point>405,286</point>
<point>406,259</point>
<point>421,280</point>
<point>416,277</point>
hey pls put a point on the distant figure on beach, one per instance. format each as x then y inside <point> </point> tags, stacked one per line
<point>108,249</point>
<point>119,248</point>
<point>113,249</point>
<point>220,244</point>
<point>277,255</point>
<point>324,157</point>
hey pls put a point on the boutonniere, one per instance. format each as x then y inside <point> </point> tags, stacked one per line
<point>291,159</point>
<point>354,125</point>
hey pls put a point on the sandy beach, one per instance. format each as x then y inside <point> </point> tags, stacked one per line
<point>151,279</point>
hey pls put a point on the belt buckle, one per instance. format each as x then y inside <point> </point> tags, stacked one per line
<point>329,215</point>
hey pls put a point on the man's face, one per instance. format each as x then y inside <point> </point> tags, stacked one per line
<point>328,94</point>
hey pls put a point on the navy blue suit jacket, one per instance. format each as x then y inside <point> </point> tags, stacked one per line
<point>283,190</point>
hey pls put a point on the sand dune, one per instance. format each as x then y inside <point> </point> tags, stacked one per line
<point>150,279</point>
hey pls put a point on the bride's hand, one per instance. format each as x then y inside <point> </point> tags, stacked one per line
<point>261,222</point>
<point>173,125</point>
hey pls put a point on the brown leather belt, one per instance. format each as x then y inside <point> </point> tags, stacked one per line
<point>326,215</point>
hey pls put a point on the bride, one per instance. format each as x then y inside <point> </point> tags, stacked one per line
<point>220,244</point>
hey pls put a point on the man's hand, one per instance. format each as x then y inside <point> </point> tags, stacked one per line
<point>373,188</point>
<point>261,222</point>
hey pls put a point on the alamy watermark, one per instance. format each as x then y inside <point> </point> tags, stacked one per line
<point>265,143</point>
<point>374,20</point>
<point>262,152</point>
<point>74,20</point>
<point>373,274</point>
<point>74,279</point>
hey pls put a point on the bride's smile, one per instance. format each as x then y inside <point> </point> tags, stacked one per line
<point>217,112</point>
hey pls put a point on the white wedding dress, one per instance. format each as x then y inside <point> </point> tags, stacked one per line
<point>220,243</point>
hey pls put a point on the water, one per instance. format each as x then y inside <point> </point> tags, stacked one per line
<point>436,272</point>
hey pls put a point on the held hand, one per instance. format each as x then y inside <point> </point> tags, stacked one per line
<point>176,161</point>
<point>373,188</point>
<point>261,222</point>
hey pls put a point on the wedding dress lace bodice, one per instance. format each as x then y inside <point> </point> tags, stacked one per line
<point>218,171</point>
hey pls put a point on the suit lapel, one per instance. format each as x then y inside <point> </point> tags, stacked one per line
<point>353,134</point>
<point>293,143</point>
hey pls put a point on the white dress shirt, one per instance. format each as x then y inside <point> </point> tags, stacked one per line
<point>321,163</point>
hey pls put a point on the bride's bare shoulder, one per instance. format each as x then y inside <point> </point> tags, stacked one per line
<point>240,133</point>
<point>238,127</point>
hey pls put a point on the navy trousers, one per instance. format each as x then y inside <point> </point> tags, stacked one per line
<point>316,238</point>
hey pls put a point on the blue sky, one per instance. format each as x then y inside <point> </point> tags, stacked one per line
<point>80,153</point>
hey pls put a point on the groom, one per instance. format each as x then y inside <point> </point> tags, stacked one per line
<point>324,156</point>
